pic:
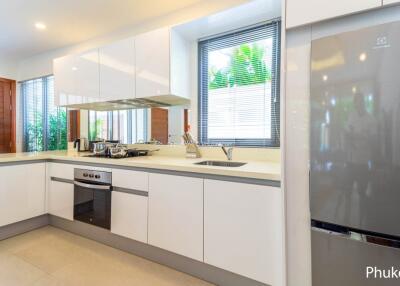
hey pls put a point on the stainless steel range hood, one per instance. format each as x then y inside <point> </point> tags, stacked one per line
<point>136,103</point>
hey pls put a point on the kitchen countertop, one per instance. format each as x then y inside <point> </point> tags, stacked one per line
<point>263,170</point>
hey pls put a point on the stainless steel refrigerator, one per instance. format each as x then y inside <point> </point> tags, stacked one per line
<point>355,156</point>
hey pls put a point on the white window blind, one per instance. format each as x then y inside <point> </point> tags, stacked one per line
<point>239,87</point>
<point>44,124</point>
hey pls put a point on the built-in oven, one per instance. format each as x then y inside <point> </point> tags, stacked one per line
<point>92,197</point>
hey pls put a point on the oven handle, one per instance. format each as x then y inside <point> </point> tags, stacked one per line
<point>91,186</point>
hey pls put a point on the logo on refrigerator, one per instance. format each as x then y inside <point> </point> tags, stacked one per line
<point>373,272</point>
<point>382,42</point>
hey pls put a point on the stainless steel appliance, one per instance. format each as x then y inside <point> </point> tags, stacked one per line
<point>166,100</point>
<point>93,142</point>
<point>81,144</point>
<point>92,197</point>
<point>117,151</point>
<point>355,156</point>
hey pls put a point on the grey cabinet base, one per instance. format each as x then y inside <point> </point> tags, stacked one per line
<point>23,226</point>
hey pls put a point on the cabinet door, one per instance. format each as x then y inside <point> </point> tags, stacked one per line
<point>243,229</point>
<point>87,76</point>
<point>22,192</point>
<point>117,70</point>
<point>152,55</point>
<point>64,80</point>
<point>61,199</point>
<point>176,214</point>
<point>387,2</point>
<point>129,215</point>
<point>309,11</point>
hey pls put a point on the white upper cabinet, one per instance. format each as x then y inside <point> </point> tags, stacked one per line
<point>387,2</point>
<point>152,51</point>
<point>77,78</point>
<point>243,230</point>
<point>155,63</point>
<point>162,64</point>
<point>64,80</point>
<point>309,11</point>
<point>117,70</point>
<point>87,76</point>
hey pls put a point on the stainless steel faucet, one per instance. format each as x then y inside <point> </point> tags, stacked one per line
<point>228,152</point>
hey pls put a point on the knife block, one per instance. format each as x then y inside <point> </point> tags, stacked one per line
<point>192,151</point>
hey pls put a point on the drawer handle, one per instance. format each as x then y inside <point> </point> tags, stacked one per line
<point>131,191</point>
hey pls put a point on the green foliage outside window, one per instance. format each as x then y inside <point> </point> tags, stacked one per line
<point>57,132</point>
<point>95,129</point>
<point>246,67</point>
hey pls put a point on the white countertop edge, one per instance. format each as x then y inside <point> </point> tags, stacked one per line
<point>267,170</point>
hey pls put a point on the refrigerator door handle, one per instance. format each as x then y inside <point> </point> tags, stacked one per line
<point>361,237</point>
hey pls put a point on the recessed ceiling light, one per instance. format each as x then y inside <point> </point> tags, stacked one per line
<point>324,77</point>
<point>363,57</point>
<point>40,26</point>
<point>354,89</point>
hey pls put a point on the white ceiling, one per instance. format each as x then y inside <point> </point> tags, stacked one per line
<point>71,21</point>
<point>249,13</point>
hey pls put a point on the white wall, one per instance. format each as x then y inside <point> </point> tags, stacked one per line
<point>296,162</point>
<point>8,68</point>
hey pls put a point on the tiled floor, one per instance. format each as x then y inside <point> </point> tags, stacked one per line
<point>50,256</point>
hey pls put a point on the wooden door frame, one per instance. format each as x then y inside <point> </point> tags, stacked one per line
<point>13,83</point>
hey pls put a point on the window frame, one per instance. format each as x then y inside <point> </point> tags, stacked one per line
<point>274,141</point>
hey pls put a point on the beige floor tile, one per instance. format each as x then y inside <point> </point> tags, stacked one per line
<point>48,280</point>
<point>52,254</point>
<point>53,257</point>
<point>16,272</point>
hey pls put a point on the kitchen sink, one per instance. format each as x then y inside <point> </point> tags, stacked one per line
<point>221,163</point>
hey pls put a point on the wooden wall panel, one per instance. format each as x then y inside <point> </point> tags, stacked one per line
<point>159,125</point>
<point>7,116</point>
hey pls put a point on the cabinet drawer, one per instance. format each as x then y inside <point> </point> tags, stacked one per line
<point>58,170</point>
<point>130,179</point>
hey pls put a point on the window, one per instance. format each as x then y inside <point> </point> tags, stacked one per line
<point>239,87</point>
<point>128,126</point>
<point>44,124</point>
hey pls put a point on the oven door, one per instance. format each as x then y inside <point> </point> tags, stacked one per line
<point>92,203</point>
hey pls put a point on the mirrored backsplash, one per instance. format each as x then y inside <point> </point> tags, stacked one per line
<point>156,125</point>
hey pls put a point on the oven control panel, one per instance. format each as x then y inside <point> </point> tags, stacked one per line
<point>93,176</point>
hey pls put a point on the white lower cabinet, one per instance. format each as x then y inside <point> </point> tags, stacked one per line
<point>60,195</point>
<point>22,192</point>
<point>129,215</point>
<point>243,229</point>
<point>176,214</point>
<point>61,199</point>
